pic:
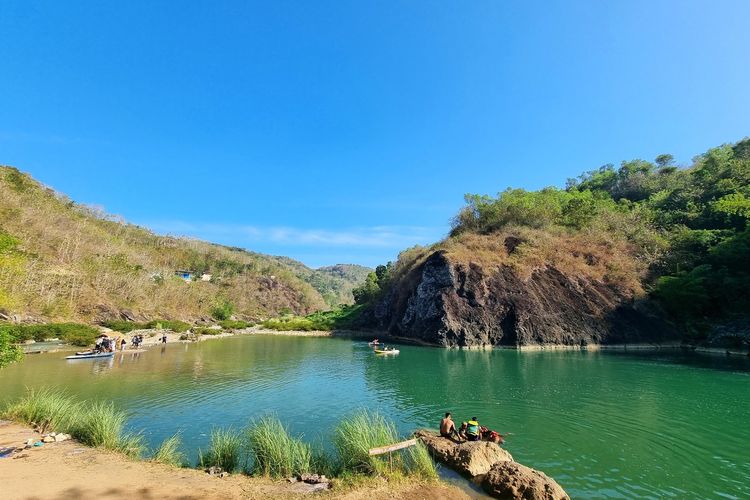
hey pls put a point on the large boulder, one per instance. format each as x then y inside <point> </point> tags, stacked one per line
<point>511,480</point>
<point>470,458</point>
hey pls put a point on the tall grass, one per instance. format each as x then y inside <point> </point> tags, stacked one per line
<point>169,452</point>
<point>275,453</point>
<point>47,409</point>
<point>356,435</point>
<point>225,450</point>
<point>95,424</point>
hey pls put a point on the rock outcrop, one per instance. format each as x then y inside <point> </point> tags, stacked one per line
<point>511,480</point>
<point>454,304</point>
<point>469,458</point>
<point>487,463</point>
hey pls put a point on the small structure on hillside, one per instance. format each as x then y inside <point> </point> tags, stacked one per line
<point>185,275</point>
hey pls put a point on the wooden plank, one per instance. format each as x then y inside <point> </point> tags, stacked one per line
<point>393,447</point>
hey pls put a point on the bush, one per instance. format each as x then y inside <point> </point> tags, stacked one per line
<point>225,450</point>
<point>169,452</point>
<point>48,409</point>
<point>124,326</point>
<point>205,331</point>
<point>174,325</point>
<point>222,311</point>
<point>73,333</point>
<point>229,324</point>
<point>9,353</point>
<point>275,453</point>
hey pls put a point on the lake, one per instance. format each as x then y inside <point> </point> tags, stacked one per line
<point>603,424</point>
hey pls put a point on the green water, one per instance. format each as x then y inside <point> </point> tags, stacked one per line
<point>602,424</point>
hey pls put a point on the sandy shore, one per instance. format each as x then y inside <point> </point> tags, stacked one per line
<point>71,470</point>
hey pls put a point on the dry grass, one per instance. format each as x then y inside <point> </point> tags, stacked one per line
<point>67,260</point>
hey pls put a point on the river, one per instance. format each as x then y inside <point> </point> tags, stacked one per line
<point>603,424</point>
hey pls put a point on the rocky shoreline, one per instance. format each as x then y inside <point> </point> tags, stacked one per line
<point>487,464</point>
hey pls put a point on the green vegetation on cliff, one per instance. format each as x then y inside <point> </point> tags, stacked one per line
<point>652,229</point>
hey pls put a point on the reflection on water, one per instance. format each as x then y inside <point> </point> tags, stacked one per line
<point>602,424</point>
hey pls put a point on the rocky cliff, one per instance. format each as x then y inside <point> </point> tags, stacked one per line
<point>451,303</point>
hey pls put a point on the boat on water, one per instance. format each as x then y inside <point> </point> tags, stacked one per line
<point>387,351</point>
<point>90,355</point>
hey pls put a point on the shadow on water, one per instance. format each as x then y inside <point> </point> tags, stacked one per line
<point>692,359</point>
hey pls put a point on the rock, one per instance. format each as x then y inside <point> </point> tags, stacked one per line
<point>215,471</point>
<point>450,303</point>
<point>48,439</point>
<point>61,437</point>
<point>127,315</point>
<point>471,458</point>
<point>312,478</point>
<point>511,480</point>
<point>30,442</point>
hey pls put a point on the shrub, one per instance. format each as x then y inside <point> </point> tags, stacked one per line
<point>229,324</point>
<point>223,310</point>
<point>174,325</point>
<point>205,331</point>
<point>123,326</point>
<point>101,425</point>
<point>169,452</point>
<point>225,450</point>
<point>73,333</point>
<point>9,353</point>
<point>275,453</point>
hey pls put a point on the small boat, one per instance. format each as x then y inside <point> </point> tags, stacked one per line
<point>91,355</point>
<point>387,351</point>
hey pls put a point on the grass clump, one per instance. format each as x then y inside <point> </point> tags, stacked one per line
<point>169,452</point>
<point>101,425</point>
<point>356,435</point>
<point>47,409</point>
<point>206,331</point>
<point>225,450</point>
<point>96,424</point>
<point>275,453</point>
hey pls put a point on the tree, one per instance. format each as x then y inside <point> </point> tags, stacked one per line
<point>664,160</point>
<point>9,352</point>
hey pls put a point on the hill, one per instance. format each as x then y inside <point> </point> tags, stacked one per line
<point>630,254</point>
<point>60,260</point>
<point>335,283</point>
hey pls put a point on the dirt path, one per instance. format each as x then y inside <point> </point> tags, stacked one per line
<point>69,470</point>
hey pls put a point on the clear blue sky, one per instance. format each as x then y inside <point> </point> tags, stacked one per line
<point>346,131</point>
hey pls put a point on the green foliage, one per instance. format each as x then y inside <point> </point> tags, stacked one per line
<point>222,311</point>
<point>274,452</point>
<point>72,333</point>
<point>357,434</point>
<point>340,318</point>
<point>9,352</point>
<point>205,331</point>
<point>688,224</point>
<point>225,450</point>
<point>95,424</point>
<point>174,325</point>
<point>169,452</point>
<point>229,324</point>
<point>123,326</point>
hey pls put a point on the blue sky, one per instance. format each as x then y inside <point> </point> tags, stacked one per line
<point>346,131</point>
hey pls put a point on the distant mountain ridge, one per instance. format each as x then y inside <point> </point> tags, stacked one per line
<point>60,260</point>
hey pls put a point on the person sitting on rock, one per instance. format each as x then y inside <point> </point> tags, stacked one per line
<point>462,431</point>
<point>448,427</point>
<point>472,430</point>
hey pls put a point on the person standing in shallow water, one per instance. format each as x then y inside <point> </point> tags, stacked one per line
<point>448,427</point>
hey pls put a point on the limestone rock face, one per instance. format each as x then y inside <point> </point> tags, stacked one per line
<point>467,305</point>
<point>471,458</point>
<point>511,480</point>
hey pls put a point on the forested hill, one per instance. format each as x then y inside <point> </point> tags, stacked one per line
<point>613,248</point>
<point>63,261</point>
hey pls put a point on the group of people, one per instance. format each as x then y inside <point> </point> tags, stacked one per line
<point>105,344</point>
<point>469,431</point>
